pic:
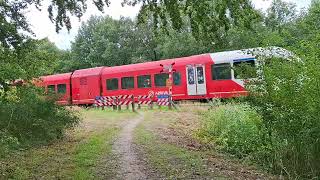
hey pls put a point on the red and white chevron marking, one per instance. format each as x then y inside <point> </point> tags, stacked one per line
<point>124,96</point>
<point>145,99</point>
<point>125,99</point>
<point>98,103</point>
<point>105,101</point>
<point>163,102</point>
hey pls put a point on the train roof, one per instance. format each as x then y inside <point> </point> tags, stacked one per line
<point>267,52</point>
<point>203,58</point>
<point>56,77</point>
<point>88,72</point>
<point>226,56</point>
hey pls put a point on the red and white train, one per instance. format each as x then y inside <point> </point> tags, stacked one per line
<point>202,76</point>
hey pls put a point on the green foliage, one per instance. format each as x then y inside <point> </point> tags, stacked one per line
<point>109,42</point>
<point>33,59</point>
<point>179,44</point>
<point>288,100</point>
<point>207,19</point>
<point>287,97</point>
<point>171,160</point>
<point>12,17</point>
<point>7,143</point>
<point>33,119</point>
<point>279,14</point>
<point>283,133</point>
<point>88,153</point>
<point>237,128</point>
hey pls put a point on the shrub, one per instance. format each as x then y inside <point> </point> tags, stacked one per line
<point>236,128</point>
<point>284,132</point>
<point>33,119</point>
<point>7,143</point>
<point>288,101</point>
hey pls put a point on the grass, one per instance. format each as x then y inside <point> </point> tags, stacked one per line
<point>171,161</point>
<point>107,113</point>
<point>88,154</point>
<point>169,146</point>
<point>74,157</point>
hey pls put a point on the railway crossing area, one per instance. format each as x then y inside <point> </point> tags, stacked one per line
<point>126,100</point>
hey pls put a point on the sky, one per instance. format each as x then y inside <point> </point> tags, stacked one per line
<point>43,28</point>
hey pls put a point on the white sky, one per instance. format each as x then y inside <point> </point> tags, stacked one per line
<point>42,26</point>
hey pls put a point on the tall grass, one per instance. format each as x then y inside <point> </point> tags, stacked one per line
<point>239,129</point>
<point>236,128</point>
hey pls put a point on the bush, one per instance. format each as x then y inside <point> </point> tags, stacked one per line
<point>240,130</point>
<point>29,117</point>
<point>289,102</point>
<point>237,128</point>
<point>7,143</point>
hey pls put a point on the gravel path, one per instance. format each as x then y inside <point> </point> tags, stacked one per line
<point>130,166</point>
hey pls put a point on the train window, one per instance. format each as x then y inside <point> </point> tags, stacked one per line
<point>221,71</point>
<point>244,69</point>
<point>161,79</point>
<point>127,82</point>
<point>190,75</point>
<point>176,78</point>
<point>200,75</point>
<point>112,84</point>
<point>144,81</point>
<point>62,88</point>
<point>51,89</point>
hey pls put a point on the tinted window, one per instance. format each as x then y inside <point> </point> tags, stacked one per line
<point>221,71</point>
<point>127,83</point>
<point>62,88</point>
<point>244,69</point>
<point>176,78</point>
<point>144,81</point>
<point>161,79</point>
<point>112,84</point>
<point>200,75</point>
<point>51,89</point>
<point>191,75</point>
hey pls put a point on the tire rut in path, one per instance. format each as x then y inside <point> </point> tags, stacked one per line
<point>130,165</point>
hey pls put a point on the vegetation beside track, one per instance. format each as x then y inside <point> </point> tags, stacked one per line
<point>78,155</point>
<point>167,143</point>
<point>243,130</point>
<point>29,119</point>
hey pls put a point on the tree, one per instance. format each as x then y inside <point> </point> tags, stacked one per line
<point>180,44</point>
<point>207,18</point>
<point>109,42</point>
<point>279,14</point>
<point>32,59</point>
<point>12,17</point>
<point>287,97</point>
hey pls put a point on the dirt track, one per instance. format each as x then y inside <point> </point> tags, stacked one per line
<point>130,165</point>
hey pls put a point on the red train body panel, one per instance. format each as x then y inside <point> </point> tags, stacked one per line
<point>195,77</point>
<point>86,85</point>
<point>59,84</point>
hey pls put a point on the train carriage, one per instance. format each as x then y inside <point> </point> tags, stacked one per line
<point>194,77</point>
<point>202,76</point>
<point>59,84</point>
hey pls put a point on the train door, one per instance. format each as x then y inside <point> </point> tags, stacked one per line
<point>196,81</point>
